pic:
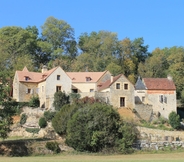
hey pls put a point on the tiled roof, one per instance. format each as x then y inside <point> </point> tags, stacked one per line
<point>159,84</point>
<point>81,77</point>
<point>34,77</point>
<point>108,83</point>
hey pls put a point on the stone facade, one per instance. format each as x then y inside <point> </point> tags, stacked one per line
<point>158,92</point>
<point>124,96</point>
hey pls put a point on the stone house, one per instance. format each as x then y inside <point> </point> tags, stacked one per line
<point>27,84</point>
<point>119,92</point>
<point>160,93</point>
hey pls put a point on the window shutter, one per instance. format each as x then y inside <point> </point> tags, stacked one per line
<point>165,99</point>
<point>26,90</point>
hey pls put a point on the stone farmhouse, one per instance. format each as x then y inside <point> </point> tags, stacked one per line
<point>160,93</point>
<point>117,91</point>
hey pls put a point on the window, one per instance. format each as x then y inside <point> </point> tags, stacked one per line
<point>122,101</point>
<point>117,85</point>
<point>75,90</point>
<point>58,88</point>
<point>161,98</point>
<point>58,77</point>
<point>91,90</point>
<point>143,99</point>
<point>26,78</point>
<point>28,90</point>
<point>88,79</point>
<point>126,86</point>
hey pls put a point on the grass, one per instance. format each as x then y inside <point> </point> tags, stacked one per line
<point>172,157</point>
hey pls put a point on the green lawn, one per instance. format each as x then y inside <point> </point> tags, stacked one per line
<point>172,157</point>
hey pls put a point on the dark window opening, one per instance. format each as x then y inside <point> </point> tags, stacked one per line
<point>126,86</point>
<point>122,101</point>
<point>75,90</point>
<point>58,88</point>
<point>88,79</point>
<point>117,85</point>
<point>58,77</point>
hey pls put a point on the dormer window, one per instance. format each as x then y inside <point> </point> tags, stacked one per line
<point>27,78</point>
<point>88,79</point>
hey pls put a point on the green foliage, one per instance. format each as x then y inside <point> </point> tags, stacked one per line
<point>33,130</point>
<point>42,122</point>
<point>49,115</point>
<point>174,120</point>
<point>34,101</point>
<point>60,120</point>
<point>23,119</point>
<point>127,135</point>
<point>95,127</point>
<point>74,97</point>
<point>60,99</point>
<point>60,35</point>
<point>53,146</point>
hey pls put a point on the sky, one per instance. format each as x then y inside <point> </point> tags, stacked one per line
<point>159,22</point>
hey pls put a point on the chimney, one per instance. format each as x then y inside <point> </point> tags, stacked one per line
<point>169,77</point>
<point>44,68</point>
<point>112,78</point>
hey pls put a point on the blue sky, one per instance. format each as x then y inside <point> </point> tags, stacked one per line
<point>159,22</point>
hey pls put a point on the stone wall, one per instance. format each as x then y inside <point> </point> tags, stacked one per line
<point>143,111</point>
<point>155,139</point>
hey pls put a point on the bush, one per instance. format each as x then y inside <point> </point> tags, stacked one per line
<point>60,99</point>
<point>127,134</point>
<point>60,120</point>
<point>49,115</point>
<point>174,120</point>
<point>23,119</point>
<point>34,101</point>
<point>53,146</point>
<point>42,122</point>
<point>33,130</point>
<point>74,97</point>
<point>98,126</point>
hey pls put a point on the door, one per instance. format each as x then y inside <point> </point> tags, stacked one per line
<point>122,101</point>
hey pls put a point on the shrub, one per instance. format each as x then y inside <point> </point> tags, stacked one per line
<point>127,134</point>
<point>60,120</point>
<point>33,130</point>
<point>98,126</point>
<point>60,99</point>
<point>34,101</point>
<point>49,115</point>
<point>74,97</point>
<point>23,119</point>
<point>174,120</point>
<point>53,146</point>
<point>42,122</point>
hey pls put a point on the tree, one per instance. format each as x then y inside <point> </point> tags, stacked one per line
<point>6,107</point>
<point>60,36</point>
<point>15,42</point>
<point>98,50</point>
<point>60,99</point>
<point>92,128</point>
<point>61,118</point>
<point>174,120</point>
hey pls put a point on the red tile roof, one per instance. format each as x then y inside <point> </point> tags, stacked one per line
<point>80,77</point>
<point>159,84</point>
<point>108,83</point>
<point>34,77</point>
